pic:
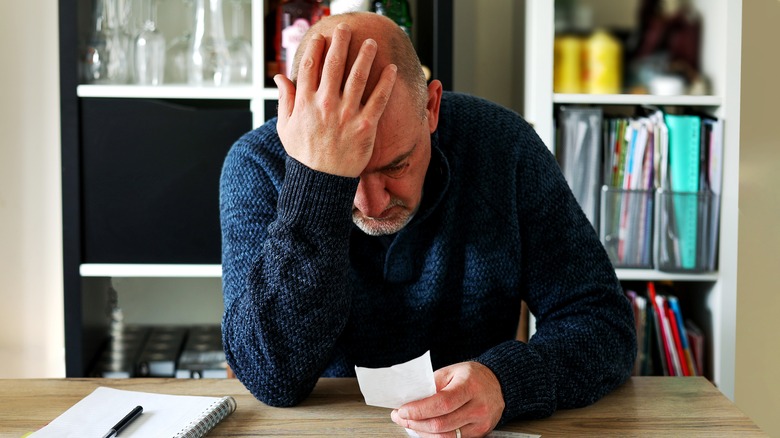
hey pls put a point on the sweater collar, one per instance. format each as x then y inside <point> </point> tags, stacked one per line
<point>402,262</point>
<point>437,180</point>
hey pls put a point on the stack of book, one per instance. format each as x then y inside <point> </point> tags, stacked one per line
<point>667,344</point>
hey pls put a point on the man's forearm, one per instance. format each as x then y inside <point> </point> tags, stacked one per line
<point>294,299</point>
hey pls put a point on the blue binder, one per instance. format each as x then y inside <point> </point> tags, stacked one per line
<point>684,144</point>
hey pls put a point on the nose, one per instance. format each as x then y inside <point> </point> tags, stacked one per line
<point>371,197</point>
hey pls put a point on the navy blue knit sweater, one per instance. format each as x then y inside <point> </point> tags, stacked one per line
<point>307,294</point>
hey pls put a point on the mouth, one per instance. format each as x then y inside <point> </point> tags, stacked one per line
<point>389,213</point>
<point>390,221</point>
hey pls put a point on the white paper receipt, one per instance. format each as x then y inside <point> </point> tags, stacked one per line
<point>399,384</point>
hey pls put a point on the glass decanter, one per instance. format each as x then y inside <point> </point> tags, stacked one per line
<point>149,48</point>
<point>105,56</point>
<point>178,51</point>
<point>208,62</point>
<point>239,47</point>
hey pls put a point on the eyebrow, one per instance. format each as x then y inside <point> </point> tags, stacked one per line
<point>398,160</point>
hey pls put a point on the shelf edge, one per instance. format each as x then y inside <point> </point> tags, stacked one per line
<point>655,275</point>
<point>149,270</point>
<point>636,99</point>
<point>169,92</point>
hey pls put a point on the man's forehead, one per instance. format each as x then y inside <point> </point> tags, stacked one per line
<point>387,157</point>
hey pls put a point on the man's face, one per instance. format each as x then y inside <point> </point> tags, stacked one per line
<point>390,188</point>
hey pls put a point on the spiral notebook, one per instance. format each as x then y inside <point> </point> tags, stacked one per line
<point>164,415</point>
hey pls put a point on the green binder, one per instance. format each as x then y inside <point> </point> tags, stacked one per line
<point>684,144</point>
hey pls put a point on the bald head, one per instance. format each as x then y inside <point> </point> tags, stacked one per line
<point>393,47</point>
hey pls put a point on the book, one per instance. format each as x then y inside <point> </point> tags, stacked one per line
<point>639,306</point>
<point>679,354</point>
<point>696,341</point>
<point>164,415</point>
<point>580,156</point>
<point>661,330</point>
<point>683,335</point>
<point>632,146</point>
<point>715,176</point>
<point>684,160</point>
<point>671,347</point>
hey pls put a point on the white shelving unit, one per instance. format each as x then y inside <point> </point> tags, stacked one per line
<point>721,55</point>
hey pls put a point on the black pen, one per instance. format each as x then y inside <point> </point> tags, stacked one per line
<point>124,422</point>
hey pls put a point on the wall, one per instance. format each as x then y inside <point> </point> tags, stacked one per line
<point>488,50</point>
<point>757,379</point>
<point>31,321</point>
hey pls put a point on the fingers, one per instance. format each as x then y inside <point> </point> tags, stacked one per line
<point>336,59</point>
<point>358,76</point>
<point>309,66</point>
<point>443,426</point>
<point>377,102</point>
<point>441,403</point>
<point>435,414</point>
<point>286,98</point>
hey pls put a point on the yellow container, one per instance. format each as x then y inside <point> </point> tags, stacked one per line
<point>567,64</point>
<point>603,66</point>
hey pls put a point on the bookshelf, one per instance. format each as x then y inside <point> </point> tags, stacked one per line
<point>140,169</point>
<point>713,294</point>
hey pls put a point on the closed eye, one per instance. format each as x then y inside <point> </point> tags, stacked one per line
<point>397,170</point>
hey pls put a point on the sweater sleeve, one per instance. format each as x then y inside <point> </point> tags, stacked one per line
<point>585,340</point>
<point>285,271</point>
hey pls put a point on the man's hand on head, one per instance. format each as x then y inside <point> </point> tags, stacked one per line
<point>322,126</point>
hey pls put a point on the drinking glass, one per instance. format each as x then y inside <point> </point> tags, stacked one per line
<point>208,62</point>
<point>239,46</point>
<point>149,48</point>
<point>178,51</point>
<point>105,56</point>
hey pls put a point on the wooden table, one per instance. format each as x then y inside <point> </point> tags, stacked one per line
<point>644,406</point>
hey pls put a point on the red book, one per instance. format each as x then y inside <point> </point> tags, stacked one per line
<point>677,341</point>
<point>661,327</point>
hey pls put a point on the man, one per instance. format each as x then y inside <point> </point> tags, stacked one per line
<point>378,218</point>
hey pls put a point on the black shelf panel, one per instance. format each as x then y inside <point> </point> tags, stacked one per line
<point>150,175</point>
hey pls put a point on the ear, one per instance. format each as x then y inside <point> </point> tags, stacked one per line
<point>434,102</point>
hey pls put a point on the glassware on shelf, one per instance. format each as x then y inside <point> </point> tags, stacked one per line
<point>239,47</point>
<point>208,61</point>
<point>149,48</point>
<point>178,51</point>
<point>128,27</point>
<point>105,58</point>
